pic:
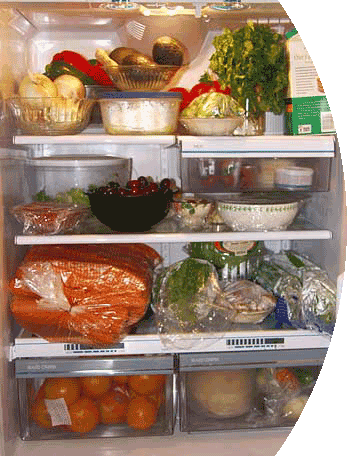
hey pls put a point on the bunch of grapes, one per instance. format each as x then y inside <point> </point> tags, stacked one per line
<point>141,186</point>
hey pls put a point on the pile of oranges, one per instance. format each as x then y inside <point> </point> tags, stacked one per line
<point>133,400</point>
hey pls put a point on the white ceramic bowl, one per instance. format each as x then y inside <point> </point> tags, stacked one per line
<point>193,211</point>
<point>212,126</point>
<point>243,216</point>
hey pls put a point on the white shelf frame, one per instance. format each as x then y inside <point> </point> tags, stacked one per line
<point>28,347</point>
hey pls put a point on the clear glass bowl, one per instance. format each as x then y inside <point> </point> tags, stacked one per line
<point>50,116</point>
<point>212,126</point>
<point>140,77</point>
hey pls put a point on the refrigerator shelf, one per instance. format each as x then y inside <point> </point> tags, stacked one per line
<point>28,346</point>
<point>266,145</point>
<point>299,230</point>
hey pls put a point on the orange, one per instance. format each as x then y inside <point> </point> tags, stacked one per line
<point>65,388</point>
<point>96,386</point>
<point>113,407</point>
<point>142,413</point>
<point>120,379</point>
<point>40,415</point>
<point>146,384</point>
<point>84,415</point>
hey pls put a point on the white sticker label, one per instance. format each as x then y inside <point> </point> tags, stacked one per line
<point>58,412</point>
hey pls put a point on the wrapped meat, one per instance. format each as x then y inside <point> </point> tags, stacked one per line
<point>87,294</point>
<point>249,301</point>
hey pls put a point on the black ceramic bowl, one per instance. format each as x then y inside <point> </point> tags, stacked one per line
<point>132,213</point>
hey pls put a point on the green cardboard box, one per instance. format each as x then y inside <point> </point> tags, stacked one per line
<point>307,109</point>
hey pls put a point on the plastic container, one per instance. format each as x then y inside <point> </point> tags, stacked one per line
<point>62,173</point>
<point>140,113</point>
<point>294,178</point>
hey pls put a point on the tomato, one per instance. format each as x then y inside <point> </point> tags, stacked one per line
<point>84,415</point>
<point>113,407</point>
<point>40,415</point>
<point>142,413</point>
<point>65,388</point>
<point>96,386</point>
<point>120,379</point>
<point>146,384</point>
<point>287,379</point>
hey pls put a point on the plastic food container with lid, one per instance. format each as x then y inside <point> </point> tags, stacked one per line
<point>62,173</point>
<point>140,113</point>
<point>294,178</point>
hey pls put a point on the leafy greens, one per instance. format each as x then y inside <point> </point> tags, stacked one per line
<point>252,62</point>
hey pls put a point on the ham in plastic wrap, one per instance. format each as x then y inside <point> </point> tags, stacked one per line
<point>88,294</point>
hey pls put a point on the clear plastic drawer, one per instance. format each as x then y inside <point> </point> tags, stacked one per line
<point>204,174</point>
<point>91,398</point>
<point>218,392</point>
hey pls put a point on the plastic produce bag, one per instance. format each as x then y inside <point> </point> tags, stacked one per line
<point>88,294</point>
<point>283,393</point>
<point>189,298</point>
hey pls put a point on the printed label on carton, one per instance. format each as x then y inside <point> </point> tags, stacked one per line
<point>308,111</point>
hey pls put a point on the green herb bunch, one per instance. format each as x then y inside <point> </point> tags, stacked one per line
<point>252,62</point>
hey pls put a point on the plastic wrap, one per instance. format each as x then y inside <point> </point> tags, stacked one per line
<point>233,260</point>
<point>248,301</point>
<point>49,217</point>
<point>88,294</point>
<point>188,300</point>
<point>307,296</point>
<point>212,104</point>
<point>283,393</point>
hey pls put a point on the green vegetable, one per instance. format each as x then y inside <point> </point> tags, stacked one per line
<point>306,375</point>
<point>75,195</point>
<point>212,104</point>
<point>184,282</point>
<point>252,62</point>
<point>42,196</point>
<point>59,67</point>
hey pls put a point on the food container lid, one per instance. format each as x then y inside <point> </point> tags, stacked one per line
<point>296,171</point>
<point>141,95</point>
<point>263,198</point>
<point>77,161</point>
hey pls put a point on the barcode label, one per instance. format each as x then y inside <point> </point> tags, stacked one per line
<point>303,129</point>
<point>327,122</point>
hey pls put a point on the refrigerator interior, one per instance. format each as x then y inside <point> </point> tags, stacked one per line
<point>34,32</point>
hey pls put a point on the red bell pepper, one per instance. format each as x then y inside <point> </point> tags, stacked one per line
<point>96,72</point>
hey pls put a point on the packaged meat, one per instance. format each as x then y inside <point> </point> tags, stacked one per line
<point>88,294</point>
<point>249,302</point>
<point>49,217</point>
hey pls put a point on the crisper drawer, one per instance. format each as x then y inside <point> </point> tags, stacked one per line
<point>80,398</point>
<point>234,391</point>
<point>215,174</point>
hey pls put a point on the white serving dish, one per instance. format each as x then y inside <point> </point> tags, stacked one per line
<point>212,126</point>
<point>258,213</point>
